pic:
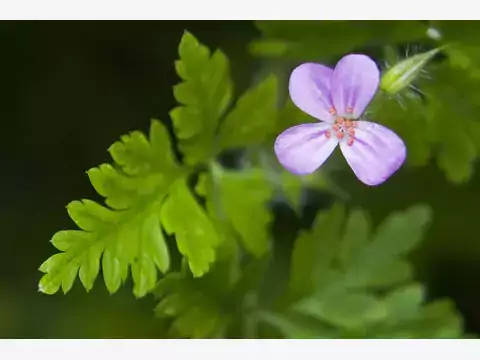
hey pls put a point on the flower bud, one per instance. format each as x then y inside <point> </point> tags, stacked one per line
<point>405,72</point>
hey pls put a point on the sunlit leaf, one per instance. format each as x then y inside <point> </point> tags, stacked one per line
<point>128,234</point>
<point>204,95</point>
<point>195,234</point>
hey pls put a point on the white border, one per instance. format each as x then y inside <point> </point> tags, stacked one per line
<point>240,349</point>
<point>236,9</point>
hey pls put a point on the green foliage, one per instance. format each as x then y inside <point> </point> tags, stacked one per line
<point>443,126</point>
<point>349,282</point>
<point>213,306</point>
<point>205,94</point>
<point>146,189</point>
<point>245,124</point>
<point>196,235</point>
<point>240,199</point>
<point>408,118</point>
<point>463,52</point>
<point>221,300</point>
<point>128,233</point>
<point>195,312</point>
<point>316,40</point>
<point>454,126</point>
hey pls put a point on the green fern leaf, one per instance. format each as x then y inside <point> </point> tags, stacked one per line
<point>128,234</point>
<point>205,94</point>
<point>196,235</point>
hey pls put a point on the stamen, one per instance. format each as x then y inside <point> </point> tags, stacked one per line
<point>332,111</point>
<point>343,128</point>
<point>328,134</point>
<point>349,109</point>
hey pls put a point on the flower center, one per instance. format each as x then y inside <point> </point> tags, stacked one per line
<point>343,128</point>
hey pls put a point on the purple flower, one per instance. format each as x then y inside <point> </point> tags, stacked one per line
<point>338,97</point>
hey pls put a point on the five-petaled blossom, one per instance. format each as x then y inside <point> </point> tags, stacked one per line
<point>338,97</point>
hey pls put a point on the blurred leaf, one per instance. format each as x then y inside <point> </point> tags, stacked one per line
<point>291,115</point>
<point>394,238</point>
<point>407,115</point>
<point>344,309</point>
<point>205,94</point>
<point>299,327</point>
<point>464,57</point>
<point>198,322</point>
<point>357,232</point>
<point>293,186</point>
<point>452,116</point>
<point>268,48</point>
<point>461,45</point>
<point>457,154</point>
<point>129,233</point>
<point>253,118</point>
<point>210,306</point>
<point>314,251</point>
<point>437,320</point>
<point>321,39</point>
<point>405,303</point>
<point>395,272</point>
<point>241,199</point>
<point>364,288</point>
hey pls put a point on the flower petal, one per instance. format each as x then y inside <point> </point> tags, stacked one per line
<point>376,153</point>
<point>354,82</point>
<point>302,149</point>
<point>310,90</point>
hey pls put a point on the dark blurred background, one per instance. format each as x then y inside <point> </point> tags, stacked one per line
<point>70,89</point>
